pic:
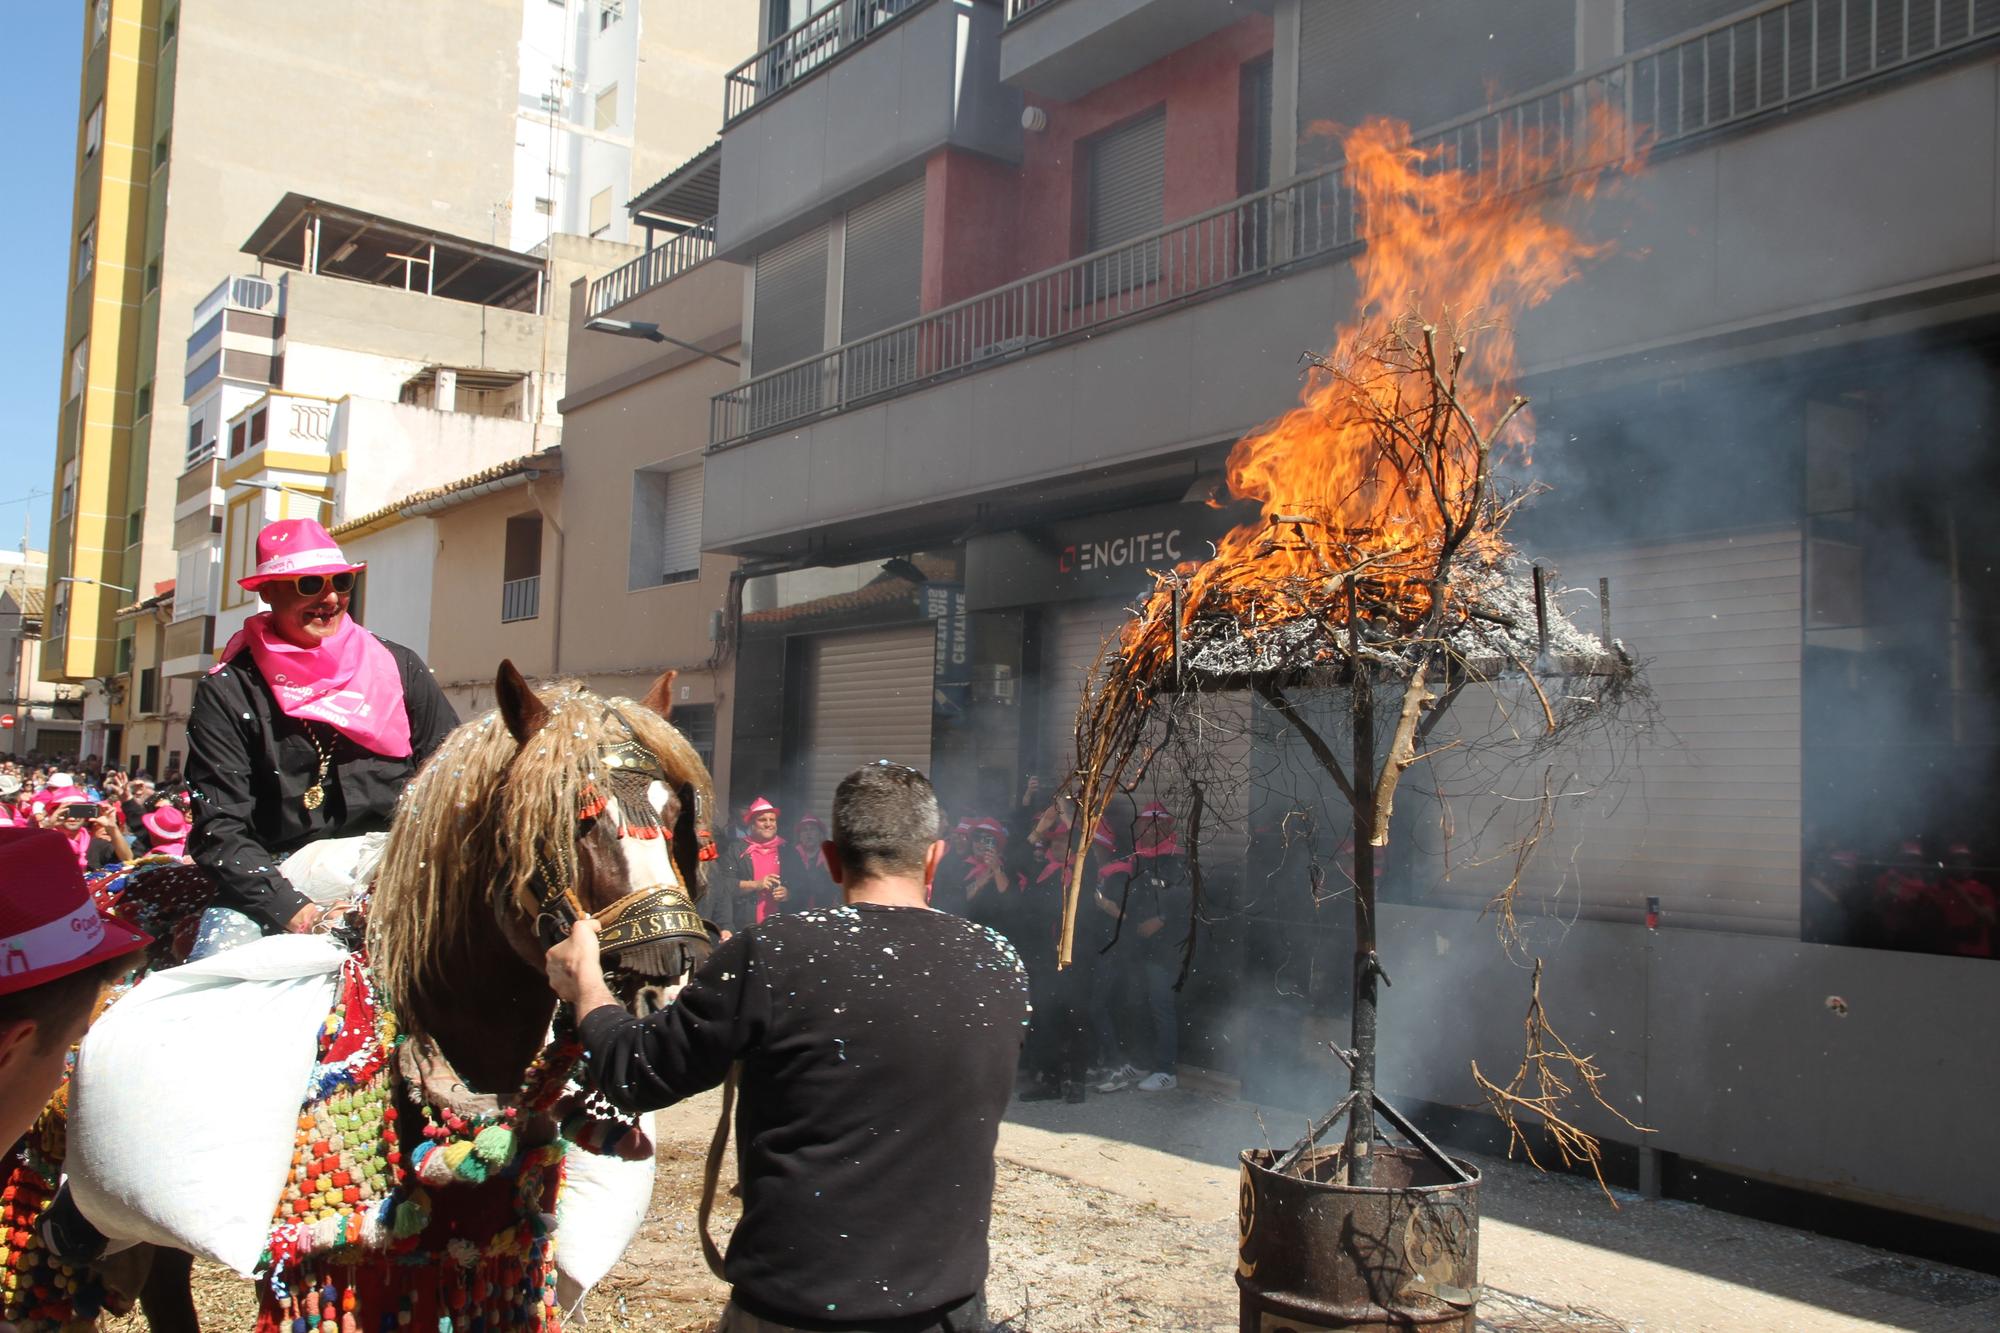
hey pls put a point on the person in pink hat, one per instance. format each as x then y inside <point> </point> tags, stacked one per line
<point>307,727</point>
<point>758,870</point>
<point>57,951</point>
<point>168,829</point>
<point>88,827</point>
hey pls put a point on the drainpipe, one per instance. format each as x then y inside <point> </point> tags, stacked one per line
<point>555,607</point>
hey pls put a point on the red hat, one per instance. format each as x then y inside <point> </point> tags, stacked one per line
<point>992,826</point>
<point>165,822</point>
<point>760,806</point>
<point>294,546</point>
<point>49,923</point>
<point>1155,810</point>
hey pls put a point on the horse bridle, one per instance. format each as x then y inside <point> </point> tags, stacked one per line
<point>648,914</point>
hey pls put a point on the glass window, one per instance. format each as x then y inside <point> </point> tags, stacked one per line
<point>100,20</point>
<point>93,131</point>
<point>86,251</point>
<point>607,107</point>
<point>79,367</point>
<point>600,211</point>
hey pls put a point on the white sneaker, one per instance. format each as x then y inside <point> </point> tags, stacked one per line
<point>1121,1078</point>
<point>1160,1082</point>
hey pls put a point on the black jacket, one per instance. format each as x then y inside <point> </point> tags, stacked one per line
<point>249,766</point>
<point>878,1048</point>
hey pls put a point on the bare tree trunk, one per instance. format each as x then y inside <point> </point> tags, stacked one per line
<point>1359,1154</point>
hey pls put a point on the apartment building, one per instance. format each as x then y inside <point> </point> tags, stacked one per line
<point>372,362</point>
<point>47,717</point>
<point>586,563</point>
<point>504,122</point>
<point>1020,273</point>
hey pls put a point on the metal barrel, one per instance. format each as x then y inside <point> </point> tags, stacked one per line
<point>1400,1255</point>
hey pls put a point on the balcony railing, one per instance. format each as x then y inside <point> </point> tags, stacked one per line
<point>1769,58</point>
<point>1018,8</point>
<point>664,262</point>
<point>821,39</point>
<point>521,599</point>
<point>243,292</point>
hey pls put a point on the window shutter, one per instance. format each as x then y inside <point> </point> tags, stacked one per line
<point>883,282</point>
<point>1355,57</point>
<point>1650,21</point>
<point>788,310</point>
<point>680,527</point>
<point>1128,172</point>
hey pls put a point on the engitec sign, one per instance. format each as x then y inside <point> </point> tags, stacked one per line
<point>1156,549</point>
<point>1105,555</point>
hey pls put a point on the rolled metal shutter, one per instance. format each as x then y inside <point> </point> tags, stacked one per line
<point>1650,21</point>
<point>680,527</point>
<point>788,309</point>
<point>870,699</point>
<point>1072,638</point>
<point>1128,181</point>
<point>1357,57</point>
<point>883,281</point>
<point>881,287</point>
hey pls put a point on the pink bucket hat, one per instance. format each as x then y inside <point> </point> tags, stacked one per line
<point>294,546</point>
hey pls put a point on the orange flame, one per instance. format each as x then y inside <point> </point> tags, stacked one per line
<point>1449,247</point>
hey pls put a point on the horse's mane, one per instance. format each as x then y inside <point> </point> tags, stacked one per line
<point>466,829</point>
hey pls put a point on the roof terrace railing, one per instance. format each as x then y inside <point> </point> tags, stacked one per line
<point>663,263</point>
<point>823,38</point>
<point>1771,57</point>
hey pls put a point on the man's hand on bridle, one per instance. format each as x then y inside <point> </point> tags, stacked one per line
<point>576,972</point>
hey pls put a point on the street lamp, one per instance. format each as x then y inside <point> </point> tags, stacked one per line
<point>279,487</point>
<point>98,582</point>
<point>639,328</point>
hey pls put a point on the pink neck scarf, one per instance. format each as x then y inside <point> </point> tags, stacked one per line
<point>79,842</point>
<point>350,682</point>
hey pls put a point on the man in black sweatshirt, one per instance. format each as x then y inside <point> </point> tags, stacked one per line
<point>878,1042</point>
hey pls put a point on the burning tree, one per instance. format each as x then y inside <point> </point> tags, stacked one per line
<point>1380,568</point>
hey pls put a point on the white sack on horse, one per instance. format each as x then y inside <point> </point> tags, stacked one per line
<point>185,1102</point>
<point>603,1201</point>
<point>335,870</point>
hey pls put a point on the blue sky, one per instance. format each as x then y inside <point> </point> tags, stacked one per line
<point>39,99</point>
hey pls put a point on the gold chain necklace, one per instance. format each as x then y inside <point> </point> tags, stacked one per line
<point>315,795</point>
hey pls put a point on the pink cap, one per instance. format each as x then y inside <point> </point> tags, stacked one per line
<point>760,806</point>
<point>1155,810</point>
<point>294,546</point>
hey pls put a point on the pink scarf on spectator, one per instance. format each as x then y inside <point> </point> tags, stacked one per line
<point>350,682</point>
<point>79,843</point>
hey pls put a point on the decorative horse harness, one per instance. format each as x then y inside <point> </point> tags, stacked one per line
<point>652,914</point>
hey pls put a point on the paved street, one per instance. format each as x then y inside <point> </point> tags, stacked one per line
<point>1553,1253</point>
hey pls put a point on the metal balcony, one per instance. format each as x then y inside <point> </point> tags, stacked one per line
<point>1773,58</point>
<point>817,42</point>
<point>520,599</point>
<point>663,263</point>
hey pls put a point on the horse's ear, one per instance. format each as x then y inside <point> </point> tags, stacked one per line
<point>520,708</point>
<point>661,697</point>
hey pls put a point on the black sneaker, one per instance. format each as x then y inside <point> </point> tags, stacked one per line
<point>1042,1092</point>
<point>1073,1090</point>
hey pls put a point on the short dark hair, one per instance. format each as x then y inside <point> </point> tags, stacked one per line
<point>885,818</point>
<point>54,1006</point>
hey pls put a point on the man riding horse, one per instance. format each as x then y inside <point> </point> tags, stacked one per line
<point>307,727</point>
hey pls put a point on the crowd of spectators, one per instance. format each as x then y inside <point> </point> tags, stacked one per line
<point>106,815</point>
<point>1110,1021</point>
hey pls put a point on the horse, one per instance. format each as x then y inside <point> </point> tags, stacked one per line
<point>437,1066</point>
